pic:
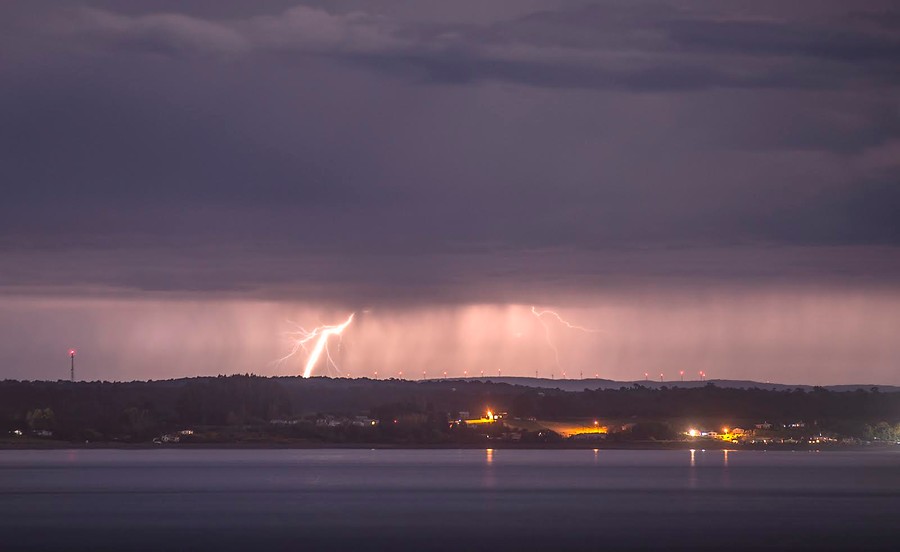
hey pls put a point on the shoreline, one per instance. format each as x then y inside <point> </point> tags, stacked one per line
<point>677,445</point>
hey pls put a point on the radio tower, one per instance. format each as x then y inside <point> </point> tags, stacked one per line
<point>72,365</point>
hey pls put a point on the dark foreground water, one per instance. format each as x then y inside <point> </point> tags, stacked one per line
<point>458,500</point>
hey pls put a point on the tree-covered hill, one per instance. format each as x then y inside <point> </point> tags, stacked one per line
<point>138,411</point>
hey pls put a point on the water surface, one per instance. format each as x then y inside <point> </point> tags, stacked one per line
<point>360,499</point>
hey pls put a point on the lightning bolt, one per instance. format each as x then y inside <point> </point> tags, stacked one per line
<point>540,316</point>
<point>554,314</point>
<point>547,336</point>
<point>319,337</point>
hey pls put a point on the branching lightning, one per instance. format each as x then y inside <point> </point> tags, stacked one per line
<point>540,316</point>
<point>547,336</point>
<point>319,337</point>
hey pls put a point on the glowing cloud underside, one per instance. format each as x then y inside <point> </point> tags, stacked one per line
<point>319,335</point>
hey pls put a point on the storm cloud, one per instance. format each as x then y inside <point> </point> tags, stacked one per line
<point>415,155</point>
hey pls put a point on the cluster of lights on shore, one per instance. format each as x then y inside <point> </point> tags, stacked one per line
<point>697,433</point>
<point>728,434</point>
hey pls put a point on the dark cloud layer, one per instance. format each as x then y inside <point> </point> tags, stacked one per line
<point>365,129</point>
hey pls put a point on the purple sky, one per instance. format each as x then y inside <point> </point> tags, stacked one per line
<point>715,187</point>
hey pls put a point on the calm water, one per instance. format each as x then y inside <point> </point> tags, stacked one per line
<point>447,500</point>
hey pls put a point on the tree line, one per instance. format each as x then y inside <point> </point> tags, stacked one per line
<point>410,411</point>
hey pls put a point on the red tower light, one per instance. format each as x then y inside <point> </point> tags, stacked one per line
<point>71,364</point>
